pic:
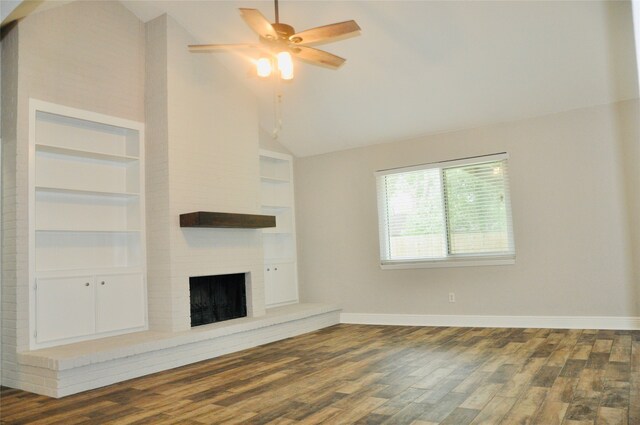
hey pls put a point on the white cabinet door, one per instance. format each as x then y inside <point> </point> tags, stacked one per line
<point>270,295</point>
<point>65,308</point>
<point>280,284</point>
<point>119,302</point>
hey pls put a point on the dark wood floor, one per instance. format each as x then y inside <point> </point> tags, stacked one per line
<point>377,374</point>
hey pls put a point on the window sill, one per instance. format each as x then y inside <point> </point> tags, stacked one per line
<point>467,262</point>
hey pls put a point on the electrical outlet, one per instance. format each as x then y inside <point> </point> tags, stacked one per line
<point>452,297</point>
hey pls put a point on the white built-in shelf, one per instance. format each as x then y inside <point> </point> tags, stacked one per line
<point>47,273</point>
<point>76,230</point>
<point>86,225</point>
<point>279,243</point>
<point>63,190</point>
<point>85,154</point>
<point>276,207</point>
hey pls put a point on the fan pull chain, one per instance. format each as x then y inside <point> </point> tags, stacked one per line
<point>277,110</point>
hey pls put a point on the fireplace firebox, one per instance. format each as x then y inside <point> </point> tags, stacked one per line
<point>217,298</point>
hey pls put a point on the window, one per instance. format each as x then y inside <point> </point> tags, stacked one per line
<point>446,214</point>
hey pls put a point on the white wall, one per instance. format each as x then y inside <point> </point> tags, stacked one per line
<point>58,56</point>
<point>571,224</point>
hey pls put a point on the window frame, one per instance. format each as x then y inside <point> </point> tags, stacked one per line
<point>451,260</point>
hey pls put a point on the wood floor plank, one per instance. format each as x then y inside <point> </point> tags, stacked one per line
<point>621,349</point>
<point>525,409</point>
<point>602,346</point>
<point>551,413</point>
<point>460,416</point>
<point>361,409</point>
<point>481,396</point>
<point>408,414</point>
<point>563,389</point>
<point>581,352</point>
<point>321,416</point>
<point>583,409</point>
<point>515,386</point>
<point>436,394</point>
<point>439,411</point>
<point>494,411</point>
<point>365,374</point>
<point>434,378</point>
<point>472,382</point>
<point>612,416</point>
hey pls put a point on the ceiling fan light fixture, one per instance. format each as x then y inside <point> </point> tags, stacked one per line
<point>279,41</point>
<point>263,67</point>
<point>285,65</point>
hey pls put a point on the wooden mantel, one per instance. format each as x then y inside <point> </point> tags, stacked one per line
<point>226,220</point>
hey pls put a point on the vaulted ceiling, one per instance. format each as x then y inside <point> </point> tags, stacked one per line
<point>423,67</point>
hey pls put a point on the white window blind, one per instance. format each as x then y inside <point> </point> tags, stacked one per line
<point>449,212</point>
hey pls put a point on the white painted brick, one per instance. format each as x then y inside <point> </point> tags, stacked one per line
<point>93,375</point>
<point>43,40</point>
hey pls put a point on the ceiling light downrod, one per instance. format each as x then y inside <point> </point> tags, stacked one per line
<point>281,60</point>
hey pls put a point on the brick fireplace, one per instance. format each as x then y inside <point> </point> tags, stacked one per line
<point>201,154</point>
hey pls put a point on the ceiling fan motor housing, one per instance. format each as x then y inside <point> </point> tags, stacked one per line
<point>284,31</point>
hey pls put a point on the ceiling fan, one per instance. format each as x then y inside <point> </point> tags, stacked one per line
<point>279,41</point>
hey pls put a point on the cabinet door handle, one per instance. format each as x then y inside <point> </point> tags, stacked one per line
<point>86,284</point>
<point>268,270</point>
<point>275,269</point>
<point>102,283</point>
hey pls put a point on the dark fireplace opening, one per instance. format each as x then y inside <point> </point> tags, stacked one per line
<point>217,298</point>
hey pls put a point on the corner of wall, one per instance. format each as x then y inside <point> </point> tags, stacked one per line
<point>160,300</point>
<point>635,213</point>
<point>628,135</point>
<point>269,143</point>
<point>9,107</point>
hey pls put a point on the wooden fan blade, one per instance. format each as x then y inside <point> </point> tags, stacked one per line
<point>258,23</point>
<point>327,33</point>
<point>208,48</point>
<point>317,57</point>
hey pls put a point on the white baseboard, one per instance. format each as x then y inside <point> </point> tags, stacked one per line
<point>553,322</point>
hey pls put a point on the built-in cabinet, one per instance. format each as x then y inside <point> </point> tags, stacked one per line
<point>86,225</point>
<point>280,270</point>
<point>80,306</point>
